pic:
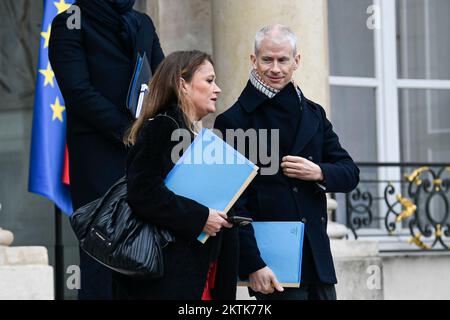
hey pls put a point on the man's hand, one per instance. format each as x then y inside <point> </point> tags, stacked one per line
<point>264,281</point>
<point>301,168</point>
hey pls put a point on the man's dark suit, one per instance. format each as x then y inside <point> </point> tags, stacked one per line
<point>305,132</point>
<point>93,70</point>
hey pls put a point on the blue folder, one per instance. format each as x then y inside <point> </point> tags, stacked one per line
<point>138,87</point>
<point>281,248</point>
<point>212,173</point>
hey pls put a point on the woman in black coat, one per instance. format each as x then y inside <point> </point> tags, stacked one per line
<point>93,66</point>
<point>182,92</point>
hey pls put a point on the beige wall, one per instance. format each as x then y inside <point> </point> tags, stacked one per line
<point>181,24</point>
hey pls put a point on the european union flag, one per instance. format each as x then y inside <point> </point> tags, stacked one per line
<point>48,142</point>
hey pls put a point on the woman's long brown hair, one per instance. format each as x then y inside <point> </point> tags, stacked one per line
<point>165,88</point>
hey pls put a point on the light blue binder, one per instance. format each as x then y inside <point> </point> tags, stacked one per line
<point>212,173</point>
<point>281,248</point>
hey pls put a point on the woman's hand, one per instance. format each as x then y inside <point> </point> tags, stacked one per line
<point>216,220</point>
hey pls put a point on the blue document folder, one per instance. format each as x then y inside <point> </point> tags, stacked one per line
<point>138,87</point>
<point>212,173</point>
<point>281,248</point>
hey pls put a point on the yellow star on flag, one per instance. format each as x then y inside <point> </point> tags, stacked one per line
<point>61,6</point>
<point>58,110</point>
<point>46,35</point>
<point>48,74</point>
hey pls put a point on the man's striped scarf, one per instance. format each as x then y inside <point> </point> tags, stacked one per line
<point>263,87</point>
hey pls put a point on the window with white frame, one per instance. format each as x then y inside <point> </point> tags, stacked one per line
<point>390,83</point>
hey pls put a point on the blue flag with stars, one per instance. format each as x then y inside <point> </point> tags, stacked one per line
<point>48,141</point>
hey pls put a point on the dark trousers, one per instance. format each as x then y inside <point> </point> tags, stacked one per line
<point>305,292</point>
<point>96,279</point>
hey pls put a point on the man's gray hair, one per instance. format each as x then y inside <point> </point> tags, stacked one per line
<point>283,33</point>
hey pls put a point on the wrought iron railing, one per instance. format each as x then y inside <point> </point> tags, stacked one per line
<point>395,197</point>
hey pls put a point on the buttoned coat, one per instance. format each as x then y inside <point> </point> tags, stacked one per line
<point>304,132</point>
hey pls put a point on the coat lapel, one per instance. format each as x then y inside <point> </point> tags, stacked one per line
<point>307,129</point>
<point>251,98</point>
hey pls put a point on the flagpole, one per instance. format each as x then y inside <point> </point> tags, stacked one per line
<point>59,256</point>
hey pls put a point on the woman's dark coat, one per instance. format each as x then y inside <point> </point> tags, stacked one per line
<point>187,260</point>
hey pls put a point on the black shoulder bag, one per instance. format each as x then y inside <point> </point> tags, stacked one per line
<point>111,234</point>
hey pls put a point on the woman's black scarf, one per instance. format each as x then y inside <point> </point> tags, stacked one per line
<point>117,16</point>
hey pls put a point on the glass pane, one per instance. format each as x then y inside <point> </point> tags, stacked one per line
<point>424,125</point>
<point>354,119</point>
<point>353,116</point>
<point>351,41</point>
<point>423,39</point>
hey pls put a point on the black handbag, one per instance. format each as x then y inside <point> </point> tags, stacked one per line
<point>111,234</point>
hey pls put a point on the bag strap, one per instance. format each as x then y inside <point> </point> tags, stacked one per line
<point>165,115</point>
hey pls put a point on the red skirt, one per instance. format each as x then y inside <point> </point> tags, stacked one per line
<point>210,281</point>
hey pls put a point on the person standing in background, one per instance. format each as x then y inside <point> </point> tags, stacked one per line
<point>93,66</point>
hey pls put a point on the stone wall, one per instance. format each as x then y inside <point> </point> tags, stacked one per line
<point>416,276</point>
<point>19,33</point>
<point>25,274</point>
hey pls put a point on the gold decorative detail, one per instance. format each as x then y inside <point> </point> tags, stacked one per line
<point>438,232</point>
<point>416,240</point>
<point>437,184</point>
<point>409,206</point>
<point>414,176</point>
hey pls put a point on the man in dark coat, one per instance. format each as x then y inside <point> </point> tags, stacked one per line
<point>312,163</point>
<point>93,66</point>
